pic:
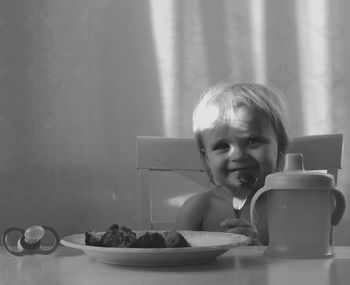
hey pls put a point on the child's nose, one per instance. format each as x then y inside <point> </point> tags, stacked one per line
<point>236,152</point>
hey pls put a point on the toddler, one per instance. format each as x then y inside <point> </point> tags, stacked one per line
<point>241,137</point>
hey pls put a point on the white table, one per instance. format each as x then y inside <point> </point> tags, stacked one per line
<point>241,265</point>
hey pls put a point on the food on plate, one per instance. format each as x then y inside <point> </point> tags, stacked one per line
<point>150,240</point>
<point>118,237</point>
<point>115,236</point>
<point>175,239</point>
<point>124,237</point>
<point>93,238</point>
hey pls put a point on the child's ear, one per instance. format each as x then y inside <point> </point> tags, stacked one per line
<point>204,160</point>
<point>204,154</point>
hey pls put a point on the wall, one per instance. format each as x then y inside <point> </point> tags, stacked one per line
<point>78,83</point>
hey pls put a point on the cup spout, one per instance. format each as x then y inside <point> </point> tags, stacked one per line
<point>294,162</point>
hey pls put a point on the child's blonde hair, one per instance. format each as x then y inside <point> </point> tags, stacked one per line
<point>219,103</point>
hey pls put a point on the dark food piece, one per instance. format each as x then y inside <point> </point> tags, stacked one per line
<point>175,239</point>
<point>118,237</point>
<point>150,240</point>
<point>246,181</point>
<point>93,238</point>
<point>114,237</point>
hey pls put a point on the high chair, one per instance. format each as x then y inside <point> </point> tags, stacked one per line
<point>170,171</point>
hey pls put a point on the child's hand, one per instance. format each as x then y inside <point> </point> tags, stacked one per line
<point>240,226</point>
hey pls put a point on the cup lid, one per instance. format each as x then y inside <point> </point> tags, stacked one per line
<point>294,176</point>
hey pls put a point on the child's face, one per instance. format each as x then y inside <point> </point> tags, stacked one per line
<point>248,145</point>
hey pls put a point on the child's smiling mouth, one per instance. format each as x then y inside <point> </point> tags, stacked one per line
<point>244,179</point>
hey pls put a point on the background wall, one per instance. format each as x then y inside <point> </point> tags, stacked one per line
<point>80,79</point>
<point>78,83</point>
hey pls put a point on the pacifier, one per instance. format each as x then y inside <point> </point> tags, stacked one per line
<point>30,240</point>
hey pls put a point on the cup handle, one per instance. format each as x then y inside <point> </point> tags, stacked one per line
<point>253,202</point>
<point>339,207</point>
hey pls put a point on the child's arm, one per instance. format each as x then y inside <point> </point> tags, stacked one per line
<point>191,214</point>
<point>240,226</point>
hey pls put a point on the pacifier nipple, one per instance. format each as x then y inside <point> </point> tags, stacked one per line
<point>33,234</point>
<point>31,238</point>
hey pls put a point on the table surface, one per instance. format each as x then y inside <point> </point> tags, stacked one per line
<point>240,265</point>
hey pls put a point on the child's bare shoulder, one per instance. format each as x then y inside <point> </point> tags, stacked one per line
<point>200,201</point>
<point>193,211</point>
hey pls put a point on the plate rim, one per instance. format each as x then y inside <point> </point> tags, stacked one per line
<point>241,240</point>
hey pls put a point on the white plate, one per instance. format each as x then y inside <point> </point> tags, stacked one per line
<point>205,247</point>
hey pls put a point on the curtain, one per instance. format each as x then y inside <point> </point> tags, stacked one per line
<point>298,47</point>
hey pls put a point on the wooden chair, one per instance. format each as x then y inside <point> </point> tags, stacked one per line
<point>159,156</point>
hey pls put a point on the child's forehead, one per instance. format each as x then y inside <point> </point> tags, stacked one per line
<point>244,123</point>
<point>217,117</point>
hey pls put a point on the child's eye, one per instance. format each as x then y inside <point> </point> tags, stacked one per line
<point>254,142</point>
<point>221,146</point>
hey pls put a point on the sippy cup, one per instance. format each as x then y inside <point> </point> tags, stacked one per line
<point>302,207</point>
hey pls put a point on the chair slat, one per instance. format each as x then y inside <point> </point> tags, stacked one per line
<point>167,153</point>
<point>319,151</point>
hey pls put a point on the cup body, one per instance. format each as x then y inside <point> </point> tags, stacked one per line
<point>302,208</point>
<point>299,223</point>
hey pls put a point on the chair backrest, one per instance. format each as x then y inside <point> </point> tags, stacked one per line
<point>160,156</point>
